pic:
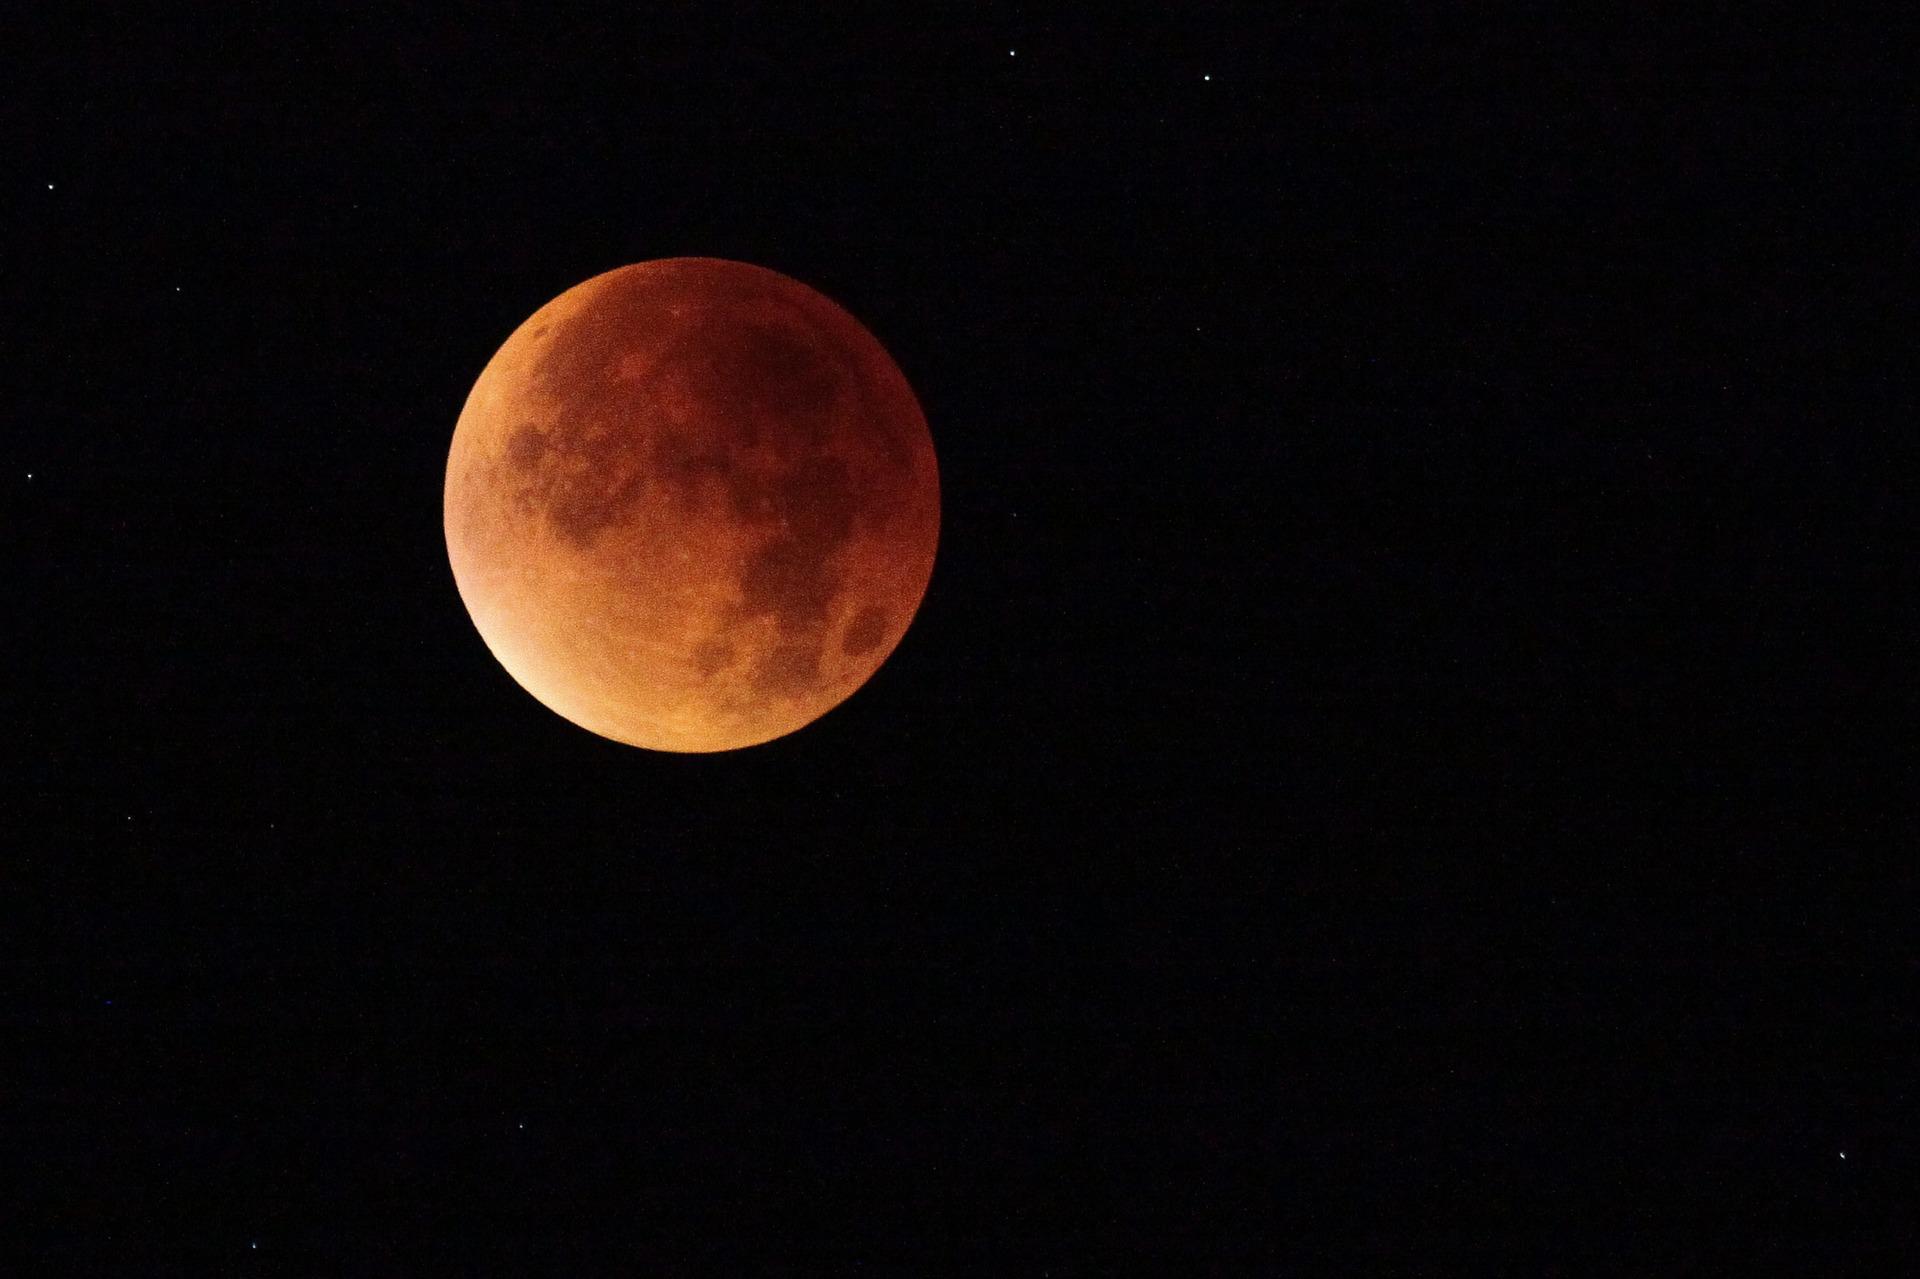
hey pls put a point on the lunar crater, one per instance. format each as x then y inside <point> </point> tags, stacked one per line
<point>865,631</point>
<point>791,582</point>
<point>790,670</point>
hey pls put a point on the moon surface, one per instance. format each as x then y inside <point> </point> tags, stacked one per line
<point>691,505</point>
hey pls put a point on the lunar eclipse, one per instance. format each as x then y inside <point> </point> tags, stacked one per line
<point>691,505</point>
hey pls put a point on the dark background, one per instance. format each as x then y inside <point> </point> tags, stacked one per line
<point>1395,762</point>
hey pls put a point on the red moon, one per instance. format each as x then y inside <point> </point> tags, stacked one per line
<point>691,505</point>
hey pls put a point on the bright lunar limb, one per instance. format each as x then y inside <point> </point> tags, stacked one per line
<point>691,505</point>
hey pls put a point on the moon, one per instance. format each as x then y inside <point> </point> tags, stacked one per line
<point>691,505</point>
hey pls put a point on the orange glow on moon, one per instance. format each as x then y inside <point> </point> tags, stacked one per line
<point>691,505</point>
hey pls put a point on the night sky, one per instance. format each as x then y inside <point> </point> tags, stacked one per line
<point>1395,763</point>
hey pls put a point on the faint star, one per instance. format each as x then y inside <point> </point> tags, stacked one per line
<point>1843,1154</point>
<point>1206,77</point>
<point>49,186</point>
<point>1010,54</point>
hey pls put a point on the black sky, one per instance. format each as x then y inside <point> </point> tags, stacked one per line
<point>1394,762</point>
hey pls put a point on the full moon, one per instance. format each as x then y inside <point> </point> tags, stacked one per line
<point>691,505</point>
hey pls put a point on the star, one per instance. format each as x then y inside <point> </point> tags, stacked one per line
<point>1843,1154</point>
<point>1010,53</point>
<point>49,186</point>
<point>1206,77</point>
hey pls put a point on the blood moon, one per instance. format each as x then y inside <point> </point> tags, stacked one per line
<point>691,505</point>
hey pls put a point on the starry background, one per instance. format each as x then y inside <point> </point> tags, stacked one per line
<point>1394,761</point>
